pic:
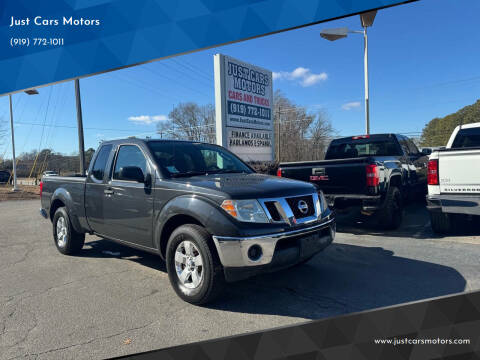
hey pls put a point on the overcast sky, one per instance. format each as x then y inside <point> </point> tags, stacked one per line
<point>424,62</point>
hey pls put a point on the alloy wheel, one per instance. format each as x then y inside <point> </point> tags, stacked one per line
<point>188,264</point>
<point>61,232</point>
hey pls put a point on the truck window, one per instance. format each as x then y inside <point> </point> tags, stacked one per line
<point>215,160</point>
<point>467,138</point>
<point>129,155</point>
<point>98,168</point>
<point>404,144</point>
<point>353,148</point>
<point>412,147</point>
<point>183,158</point>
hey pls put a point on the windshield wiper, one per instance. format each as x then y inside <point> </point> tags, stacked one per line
<point>188,173</point>
<point>227,171</point>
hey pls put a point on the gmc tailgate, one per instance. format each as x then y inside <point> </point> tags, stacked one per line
<point>338,176</point>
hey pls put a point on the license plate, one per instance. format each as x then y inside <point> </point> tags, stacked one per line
<point>312,243</point>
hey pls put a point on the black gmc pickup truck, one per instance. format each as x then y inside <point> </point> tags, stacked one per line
<point>198,206</point>
<point>373,172</point>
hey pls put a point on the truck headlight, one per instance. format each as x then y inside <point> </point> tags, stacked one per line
<point>245,210</point>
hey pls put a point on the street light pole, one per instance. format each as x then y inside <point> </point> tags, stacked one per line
<point>365,66</point>
<point>13,146</point>
<point>14,165</point>
<point>366,20</point>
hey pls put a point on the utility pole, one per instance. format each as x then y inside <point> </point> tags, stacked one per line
<point>13,146</point>
<point>81,144</point>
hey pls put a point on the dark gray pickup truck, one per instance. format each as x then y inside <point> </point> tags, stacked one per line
<point>198,206</point>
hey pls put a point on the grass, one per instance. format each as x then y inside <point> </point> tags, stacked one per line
<point>26,192</point>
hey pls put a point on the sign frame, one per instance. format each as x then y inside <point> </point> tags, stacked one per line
<point>221,106</point>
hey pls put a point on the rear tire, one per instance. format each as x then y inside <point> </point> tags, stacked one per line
<point>391,214</point>
<point>194,269</point>
<point>441,222</point>
<point>67,240</point>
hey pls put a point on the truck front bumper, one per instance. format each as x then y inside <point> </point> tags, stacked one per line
<point>243,257</point>
<point>454,204</point>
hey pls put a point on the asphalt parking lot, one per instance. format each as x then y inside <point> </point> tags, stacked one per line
<point>111,300</point>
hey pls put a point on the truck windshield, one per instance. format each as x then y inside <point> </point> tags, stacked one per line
<point>358,147</point>
<point>183,159</point>
<point>467,138</point>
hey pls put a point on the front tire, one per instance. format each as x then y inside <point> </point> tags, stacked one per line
<point>67,240</point>
<point>441,222</point>
<point>194,269</point>
<point>391,214</point>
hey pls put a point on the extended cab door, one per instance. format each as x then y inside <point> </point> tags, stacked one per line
<point>128,201</point>
<point>95,186</point>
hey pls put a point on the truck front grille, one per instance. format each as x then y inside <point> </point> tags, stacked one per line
<point>289,210</point>
<point>272,209</point>
<point>294,205</point>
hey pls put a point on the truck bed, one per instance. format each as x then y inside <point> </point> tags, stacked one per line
<point>73,185</point>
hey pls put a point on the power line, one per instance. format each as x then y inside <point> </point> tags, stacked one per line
<point>74,127</point>
<point>142,85</point>
<point>198,72</point>
<point>175,81</point>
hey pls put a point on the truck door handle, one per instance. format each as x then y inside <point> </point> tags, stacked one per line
<point>108,191</point>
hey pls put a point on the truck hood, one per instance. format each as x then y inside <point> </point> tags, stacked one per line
<point>250,186</point>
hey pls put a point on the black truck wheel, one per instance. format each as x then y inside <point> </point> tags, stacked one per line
<point>67,240</point>
<point>194,269</point>
<point>441,223</point>
<point>390,215</point>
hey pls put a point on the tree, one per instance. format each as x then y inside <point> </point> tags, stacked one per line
<point>35,163</point>
<point>189,121</point>
<point>299,135</point>
<point>88,156</point>
<point>438,130</point>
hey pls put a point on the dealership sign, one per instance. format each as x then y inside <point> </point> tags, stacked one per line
<point>243,103</point>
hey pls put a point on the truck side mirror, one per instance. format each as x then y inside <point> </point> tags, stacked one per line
<point>132,173</point>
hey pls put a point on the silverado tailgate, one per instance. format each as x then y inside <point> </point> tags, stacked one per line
<point>339,176</point>
<point>459,171</point>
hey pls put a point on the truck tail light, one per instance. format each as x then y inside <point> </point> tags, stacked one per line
<point>432,172</point>
<point>279,172</point>
<point>41,188</point>
<point>360,137</point>
<point>373,175</point>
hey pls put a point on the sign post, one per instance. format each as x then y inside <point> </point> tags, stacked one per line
<point>243,104</point>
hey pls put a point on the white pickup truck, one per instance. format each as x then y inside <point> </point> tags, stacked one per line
<point>454,178</point>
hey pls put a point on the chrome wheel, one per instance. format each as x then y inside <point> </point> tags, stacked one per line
<point>61,232</point>
<point>188,264</point>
